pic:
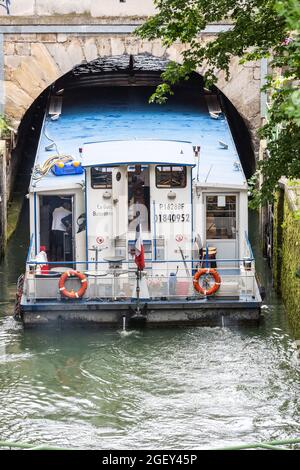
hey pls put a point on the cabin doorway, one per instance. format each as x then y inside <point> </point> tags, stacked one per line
<point>138,197</point>
<point>57,227</point>
<point>221,225</point>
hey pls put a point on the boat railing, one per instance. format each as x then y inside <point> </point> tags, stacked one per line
<point>159,283</point>
<point>247,250</point>
<point>30,253</point>
<point>169,267</point>
<point>233,262</point>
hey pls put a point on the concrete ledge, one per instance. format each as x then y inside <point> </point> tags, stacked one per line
<point>78,20</point>
<point>69,20</point>
<point>88,28</point>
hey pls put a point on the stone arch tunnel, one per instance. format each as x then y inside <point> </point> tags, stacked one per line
<point>126,72</point>
<point>31,66</point>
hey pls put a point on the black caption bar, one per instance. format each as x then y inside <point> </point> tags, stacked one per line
<point>135,459</point>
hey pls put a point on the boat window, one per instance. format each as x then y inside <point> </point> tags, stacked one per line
<point>171,176</point>
<point>101,177</point>
<point>220,217</point>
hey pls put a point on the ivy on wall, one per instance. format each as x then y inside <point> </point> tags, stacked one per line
<point>4,128</point>
<point>286,260</point>
<point>277,239</point>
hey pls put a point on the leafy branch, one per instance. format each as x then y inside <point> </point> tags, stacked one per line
<point>4,127</point>
<point>259,29</point>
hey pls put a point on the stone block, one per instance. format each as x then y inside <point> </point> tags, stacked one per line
<point>104,46</point>
<point>12,61</point>
<point>157,49</point>
<point>62,37</point>
<point>61,57</point>
<point>49,69</point>
<point>117,45</point>
<point>28,79</point>
<point>175,52</point>
<point>24,37</point>
<point>9,48</point>
<point>145,47</point>
<point>16,100</point>
<point>46,37</point>
<point>75,52</point>
<point>131,45</point>
<point>9,38</point>
<point>32,77</point>
<point>8,75</point>
<point>90,49</point>
<point>22,48</point>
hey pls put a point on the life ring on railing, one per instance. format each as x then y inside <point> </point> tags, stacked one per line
<point>71,294</point>
<point>216,277</point>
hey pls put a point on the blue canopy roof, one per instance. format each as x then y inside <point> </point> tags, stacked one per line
<point>102,114</point>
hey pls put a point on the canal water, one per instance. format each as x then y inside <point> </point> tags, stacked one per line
<point>179,388</point>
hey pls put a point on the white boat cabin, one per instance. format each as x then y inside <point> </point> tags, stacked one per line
<point>188,194</point>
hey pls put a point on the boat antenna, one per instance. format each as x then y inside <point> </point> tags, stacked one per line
<point>196,150</point>
<point>208,173</point>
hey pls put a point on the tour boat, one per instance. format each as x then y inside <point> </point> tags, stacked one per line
<point>138,214</point>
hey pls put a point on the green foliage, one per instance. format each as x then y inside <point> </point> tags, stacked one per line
<point>256,25</point>
<point>289,260</point>
<point>260,28</point>
<point>4,128</point>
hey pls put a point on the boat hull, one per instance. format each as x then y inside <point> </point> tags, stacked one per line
<point>206,313</point>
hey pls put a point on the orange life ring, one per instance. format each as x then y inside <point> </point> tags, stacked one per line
<point>216,277</point>
<point>72,294</point>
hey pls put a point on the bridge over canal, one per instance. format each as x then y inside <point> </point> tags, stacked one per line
<point>41,41</point>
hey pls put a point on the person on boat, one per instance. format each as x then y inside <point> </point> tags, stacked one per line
<point>138,209</point>
<point>60,226</point>
<point>137,183</point>
<point>137,199</point>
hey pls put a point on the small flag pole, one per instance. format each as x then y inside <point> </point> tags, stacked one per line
<point>138,274</point>
<point>139,260</point>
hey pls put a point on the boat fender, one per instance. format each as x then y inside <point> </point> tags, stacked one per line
<point>262,292</point>
<point>18,311</point>
<point>71,294</point>
<point>203,272</point>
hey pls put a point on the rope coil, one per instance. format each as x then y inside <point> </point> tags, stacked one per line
<point>40,171</point>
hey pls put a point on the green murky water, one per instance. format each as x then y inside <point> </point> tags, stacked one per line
<point>160,388</point>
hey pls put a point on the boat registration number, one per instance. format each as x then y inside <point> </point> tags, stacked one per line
<point>172,218</point>
<point>172,212</point>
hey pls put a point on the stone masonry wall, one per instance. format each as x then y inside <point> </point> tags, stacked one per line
<point>34,61</point>
<point>286,258</point>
